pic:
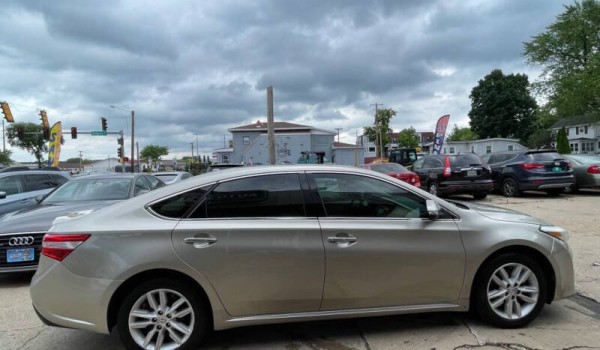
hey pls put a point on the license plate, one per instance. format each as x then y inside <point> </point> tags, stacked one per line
<point>556,169</point>
<point>20,255</point>
<point>471,172</point>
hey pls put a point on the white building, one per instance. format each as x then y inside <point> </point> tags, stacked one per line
<point>482,146</point>
<point>583,133</point>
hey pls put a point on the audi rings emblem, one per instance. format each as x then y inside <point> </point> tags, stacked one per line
<point>14,241</point>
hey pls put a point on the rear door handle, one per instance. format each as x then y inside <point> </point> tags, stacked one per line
<point>342,240</point>
<point>200,242</point>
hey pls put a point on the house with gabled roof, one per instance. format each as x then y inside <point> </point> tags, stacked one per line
<point>583,132</point>
<point>249,144</point>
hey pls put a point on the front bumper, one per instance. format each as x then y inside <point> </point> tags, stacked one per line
<point>59,299</point>
<point>563,270</point>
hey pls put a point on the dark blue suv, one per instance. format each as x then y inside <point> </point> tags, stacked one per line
<point>530,170</point>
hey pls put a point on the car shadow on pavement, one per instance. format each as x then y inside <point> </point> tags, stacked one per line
<point>17,279</point>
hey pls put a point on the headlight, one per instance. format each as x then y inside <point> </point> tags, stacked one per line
<point>556,232</point>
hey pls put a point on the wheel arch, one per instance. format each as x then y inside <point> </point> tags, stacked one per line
<point>540,258</point>
<point>127,286</point>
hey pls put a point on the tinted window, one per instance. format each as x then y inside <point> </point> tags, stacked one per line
<point>177,206</point>
<point>35,182</point>
<point>465,160</point>
<point>10,185</point>
<point>260,196</point>
<point>418,164</point>
<point>544,157</point>
<point>348,195</point>
<point>432,163</point>
<point>59,180</point>
<point>141,186</point>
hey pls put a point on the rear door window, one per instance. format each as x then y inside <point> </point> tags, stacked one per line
<point>259,196</point>
<point>36,182</point>
<point>11,185</point>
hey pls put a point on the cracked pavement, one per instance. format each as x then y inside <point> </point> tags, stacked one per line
<point>569,324</point>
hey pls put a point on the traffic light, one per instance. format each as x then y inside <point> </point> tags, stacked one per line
<point>104,127</point>
<point>7,114</point>
<point>120,141</point>
<point>120,152</point>
<point>73,132</point>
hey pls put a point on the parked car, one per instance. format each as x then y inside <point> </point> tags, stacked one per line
<point>395,170</point>
<point>443,175</point>
<point>170,177</point>
<point>19,189</point>
<point>286,243</point>
<point>530,170</point>
<point>586,168</point>
<point>222,166</point>
<point>21,232</point>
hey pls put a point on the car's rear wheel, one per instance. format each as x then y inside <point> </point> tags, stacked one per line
<point>510,188</point>
<point>511,291</point>
<point>162,314</point>
<point>433,188</point>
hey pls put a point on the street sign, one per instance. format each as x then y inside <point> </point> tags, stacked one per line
<point>98,133</point>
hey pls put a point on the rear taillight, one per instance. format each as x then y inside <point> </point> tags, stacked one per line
<point>58,246</point>
<point>530,166</point>
<point>593,169</point>
<point>447,169</point>
<point>569,165</point>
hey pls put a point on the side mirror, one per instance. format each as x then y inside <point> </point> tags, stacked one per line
<point>2,195</point>
<point>433,209</point>
<point>39,198</point>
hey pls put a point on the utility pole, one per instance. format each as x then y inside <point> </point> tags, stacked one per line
<point>137,148</point>
<point>132,141</point>
<point>80,162</point>
<point>338,133</point>
<point>192,144</point>
<point>271,125</point>
<point>197,153</point>
<point>378,132</point>
<point>3,138</point>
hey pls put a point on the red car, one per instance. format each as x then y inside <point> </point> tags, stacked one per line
<point>397,171</point>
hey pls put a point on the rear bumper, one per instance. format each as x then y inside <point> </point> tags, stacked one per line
<point>544,184</point>
<point>468,187</point>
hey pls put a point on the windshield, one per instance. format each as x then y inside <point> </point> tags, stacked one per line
<point>389,168</point>
<point>91,190</point>
<point>166,177</point>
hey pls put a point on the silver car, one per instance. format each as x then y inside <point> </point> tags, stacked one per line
<point>586,168</point>
<point>271,244</point>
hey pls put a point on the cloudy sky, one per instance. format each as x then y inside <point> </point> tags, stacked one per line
<point>201,67</point>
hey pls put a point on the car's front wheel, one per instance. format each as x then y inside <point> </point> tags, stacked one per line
<point>162,314</point>
<point>511,291</point>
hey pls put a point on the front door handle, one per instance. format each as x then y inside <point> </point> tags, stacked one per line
<point>200,242</point>
<point>342,240</point>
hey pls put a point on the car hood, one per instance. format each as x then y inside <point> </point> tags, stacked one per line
<point>40,216</point>
<point>502,214</point>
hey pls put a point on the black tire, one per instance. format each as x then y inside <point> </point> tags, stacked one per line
<point>495,303</point>
<point>162,322</point>
<point>480,195</point>
<point>433,189</point>
<point>573,189</point>
<point>510,188</point>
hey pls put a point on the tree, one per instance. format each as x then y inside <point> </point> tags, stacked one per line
<point>562,142</point>
<point>569,54</point>
<point>408,138</point>
<point>381,128</point>
<point>540,138</point>
<point>502,106</point>
<point>5,158</point>
<point>153,153</point>
<point>461,134</point>
<point>33,140</point>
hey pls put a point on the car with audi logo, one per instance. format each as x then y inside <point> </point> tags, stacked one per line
<point>22,231</point>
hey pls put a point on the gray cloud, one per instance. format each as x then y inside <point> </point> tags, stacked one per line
<point>192,67</point>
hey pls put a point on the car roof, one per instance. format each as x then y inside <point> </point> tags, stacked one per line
<point>110,176</point>
<point>24,172</point>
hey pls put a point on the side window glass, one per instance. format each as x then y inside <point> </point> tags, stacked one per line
<point>10,185</point>
<point>141,186</point>
<point>59,180</point>
<point>154,182</point>
<point>431,163</point>
<point>418,164</point>
<point>260,196</point>
<point>176,206</point>
<point>345,195</point>
<point>36,182</point>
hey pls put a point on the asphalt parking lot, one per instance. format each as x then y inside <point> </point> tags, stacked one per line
<point>567,324</point>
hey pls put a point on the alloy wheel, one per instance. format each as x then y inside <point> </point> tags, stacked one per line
<point>161,319</point>
<point>513,291</point>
